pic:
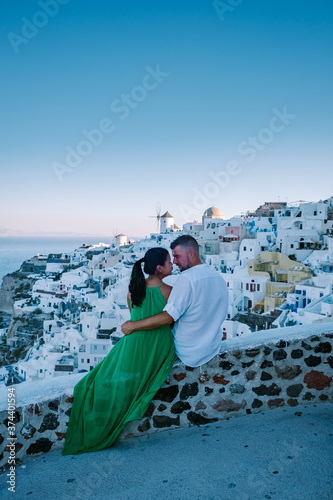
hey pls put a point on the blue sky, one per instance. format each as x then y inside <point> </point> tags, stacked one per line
<point>225,76</point>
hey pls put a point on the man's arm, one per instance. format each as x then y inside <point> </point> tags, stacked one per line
<point>151,323</point>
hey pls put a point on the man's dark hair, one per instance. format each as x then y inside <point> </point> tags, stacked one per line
<point>185,241</point>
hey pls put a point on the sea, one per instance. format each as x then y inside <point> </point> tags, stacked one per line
<point>15,249</point>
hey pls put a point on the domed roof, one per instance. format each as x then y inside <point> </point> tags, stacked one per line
<point>213,213</point>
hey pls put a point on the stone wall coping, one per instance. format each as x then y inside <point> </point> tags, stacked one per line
<point>49,389</point>
<point>40,390</point>
<point>272,336</point>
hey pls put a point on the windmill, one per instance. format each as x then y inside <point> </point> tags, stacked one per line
<point>157,216</point>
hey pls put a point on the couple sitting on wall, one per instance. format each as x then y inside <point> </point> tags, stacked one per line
<point>120,388</point>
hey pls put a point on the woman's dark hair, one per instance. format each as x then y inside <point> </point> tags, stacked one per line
<point>153,257</point>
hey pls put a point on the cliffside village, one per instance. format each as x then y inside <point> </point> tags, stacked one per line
<point>277,262</point>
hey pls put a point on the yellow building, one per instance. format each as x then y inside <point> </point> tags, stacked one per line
<point>283,273</point>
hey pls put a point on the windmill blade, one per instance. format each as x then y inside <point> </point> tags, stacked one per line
<point>157,216</point>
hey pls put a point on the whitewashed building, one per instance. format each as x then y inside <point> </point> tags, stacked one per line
<point>248,250</point>
<point>298,242</point>
<point>321,261</point>
<point>232,329</point>
<point>93,352</point>
<point>245,291</point>
<point>310,292</point>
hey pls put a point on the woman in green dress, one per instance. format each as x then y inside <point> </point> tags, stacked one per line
<point>120,388</point>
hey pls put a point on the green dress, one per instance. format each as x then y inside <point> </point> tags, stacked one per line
<point>120,388</point>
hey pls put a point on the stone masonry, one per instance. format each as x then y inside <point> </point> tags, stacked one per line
<point>236,382</point>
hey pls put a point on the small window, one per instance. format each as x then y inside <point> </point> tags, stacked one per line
<point>82,360</point>
<point>88,360</point>
<point>258,288</point>
<point>247,286</point>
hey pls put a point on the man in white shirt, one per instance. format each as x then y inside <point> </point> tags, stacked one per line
<point>197,304</point>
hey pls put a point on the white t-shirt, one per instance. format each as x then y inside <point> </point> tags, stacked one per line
<point>198,304</point>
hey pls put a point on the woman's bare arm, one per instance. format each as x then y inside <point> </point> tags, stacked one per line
<point>166,290</point>
<point>129,301</point>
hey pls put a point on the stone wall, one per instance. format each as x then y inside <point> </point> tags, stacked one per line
<point>241,380</point>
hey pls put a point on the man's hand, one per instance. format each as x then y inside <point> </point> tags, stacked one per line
<point>127,328</point>
<point>151,323</point>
